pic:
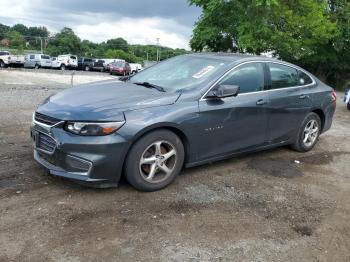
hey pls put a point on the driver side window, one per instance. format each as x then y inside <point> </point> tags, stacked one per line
<point>249,77</point>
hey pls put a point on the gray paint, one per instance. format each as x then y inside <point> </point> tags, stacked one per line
<point>210,129</point>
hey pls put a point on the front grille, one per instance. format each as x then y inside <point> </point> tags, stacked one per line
<point>46,143</point>
<point>47,120</point>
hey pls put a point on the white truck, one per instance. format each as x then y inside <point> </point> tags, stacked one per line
<point>64,62</point>
<point>6,59</point>
<point>135,67</point>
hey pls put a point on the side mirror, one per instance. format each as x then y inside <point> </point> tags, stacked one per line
<point>222,91</point>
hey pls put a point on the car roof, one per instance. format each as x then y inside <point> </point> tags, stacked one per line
<point>232,57</point>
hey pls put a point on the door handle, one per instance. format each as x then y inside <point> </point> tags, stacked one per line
<point>303,96</point>
<point>261,102</point>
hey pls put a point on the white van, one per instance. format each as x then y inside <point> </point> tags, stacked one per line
<point>67,61</point>
<point>37,60</point>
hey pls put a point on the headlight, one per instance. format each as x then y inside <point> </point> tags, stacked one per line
<point>93,129</point>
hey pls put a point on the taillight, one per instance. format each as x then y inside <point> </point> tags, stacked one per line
<point>334,96</point>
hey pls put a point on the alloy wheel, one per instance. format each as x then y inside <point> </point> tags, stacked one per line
<point>311,131</point>
<point>158,162</point>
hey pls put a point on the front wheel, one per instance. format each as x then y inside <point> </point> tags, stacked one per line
<point>63,67</point>
<point>87,68</point>
<point>2,64</point>
<point>36,66</point>
<point>308,133</point>
<point>154,161</point>
<point>348,106</point>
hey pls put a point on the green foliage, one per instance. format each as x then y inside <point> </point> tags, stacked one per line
<point>16,39</point>
<point>117,43</point>
<point>64,42</point>
<point>311,33</point>
<point>120,54</point>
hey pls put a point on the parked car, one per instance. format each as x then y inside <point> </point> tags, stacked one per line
<point>67,62</point>
<point>185,111</point>
<point>85,64</point>
<point>98,65</point>
<point>54,62</point>
<point>37,60</point>
<point>7,59</point>
<point>135,68</point>
<point>108,61</point>
<point>119,68</point>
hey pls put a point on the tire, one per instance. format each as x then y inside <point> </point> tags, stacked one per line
<point>36,66</point>
<point>348,106</point>
<point>63,67</point>
<point>2,64</point>
<point>308,133</point>
<point>87,68</point>
<point>160,167</point>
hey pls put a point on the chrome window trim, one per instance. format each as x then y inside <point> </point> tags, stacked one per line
<point>203,98</point>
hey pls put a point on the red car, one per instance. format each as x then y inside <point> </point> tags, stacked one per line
<point>120,68</point>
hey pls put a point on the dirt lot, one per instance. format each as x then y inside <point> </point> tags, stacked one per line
<point>260,207</point>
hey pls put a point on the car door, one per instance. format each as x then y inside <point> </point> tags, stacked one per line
<point>235,124</point>
<point>290,100</point>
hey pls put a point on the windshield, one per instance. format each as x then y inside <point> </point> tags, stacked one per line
<point>182,72</point>
<point>118,64</point>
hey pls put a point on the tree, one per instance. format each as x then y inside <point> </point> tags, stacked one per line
<point>305,32</point>
<point>3,31</point>
<point>65,42</point>
<point>117,43</point>
<point>20,28</point>
<point>16,40</point>
<point>120,54</point>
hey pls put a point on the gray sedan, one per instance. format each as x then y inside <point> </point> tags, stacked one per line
<point>185,111</point>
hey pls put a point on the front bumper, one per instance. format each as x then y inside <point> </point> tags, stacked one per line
<point>92,159</point>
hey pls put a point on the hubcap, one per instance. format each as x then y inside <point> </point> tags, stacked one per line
<point>310,133</point>
<point>158,161</point>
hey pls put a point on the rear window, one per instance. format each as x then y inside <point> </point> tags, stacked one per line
<point>73,57</point>
<point>45,57</point>
<point>88,60</point>
<point>304,79</point>
<point>53,58</point>
<point>283,76</point>
<point>119,64</point>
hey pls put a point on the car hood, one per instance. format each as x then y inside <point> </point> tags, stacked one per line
<point>103,101</point>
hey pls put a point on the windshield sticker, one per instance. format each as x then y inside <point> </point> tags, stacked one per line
<point>203,72</point>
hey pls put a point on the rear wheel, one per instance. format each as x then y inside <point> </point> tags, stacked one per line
<point>2,64</point>
<point>87,68</point>
<point>154,161</point>
<point>308,133</point>
<point>348,106</point>
<point>36,66</point>
<point>63,67</point>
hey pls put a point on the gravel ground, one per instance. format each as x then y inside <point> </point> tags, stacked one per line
<point>259,207</point>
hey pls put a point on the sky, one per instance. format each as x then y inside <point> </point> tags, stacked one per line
<point>137,21</point>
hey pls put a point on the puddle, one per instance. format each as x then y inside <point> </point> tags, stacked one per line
<point>322,158</point>
<point>303,230</point>
<point>275,167</point>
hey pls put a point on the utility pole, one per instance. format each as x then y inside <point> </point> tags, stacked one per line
<point>41,44</point>
<point>158,56</point>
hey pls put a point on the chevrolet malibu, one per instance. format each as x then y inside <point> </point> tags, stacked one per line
<point>185,111</point>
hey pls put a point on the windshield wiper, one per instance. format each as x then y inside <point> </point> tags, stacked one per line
<point>149,85</point>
